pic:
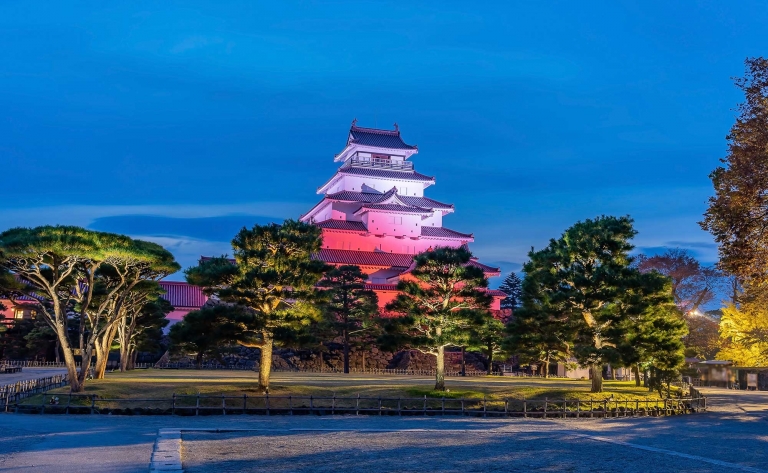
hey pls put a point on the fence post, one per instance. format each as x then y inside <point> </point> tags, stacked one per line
<point>173,404</point>
<point>42,405</point>
<point>379,405</point>
<point>266,401</point>
<point>546,401</point>
<point>333,404</point>
<point>605,408</point>
<point>223,405</point>
<point>93,403</point>
<point>425,405</point>
<point>506,407</point>
<point>69,401</point>
<point>399,410</point>
<point>525,408</point>
<point>357,405</point>
<point>310,405</point>
<point>462,407</point>
<point>665,407</point>
<point>197,404</point>
<point>485,406</point>
<point>577,408</point>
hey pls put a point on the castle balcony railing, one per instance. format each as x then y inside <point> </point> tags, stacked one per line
<point>379,163</point>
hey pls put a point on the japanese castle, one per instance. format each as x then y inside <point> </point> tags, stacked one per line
<point>374,213</point>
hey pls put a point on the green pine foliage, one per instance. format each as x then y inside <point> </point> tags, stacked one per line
<point>441,306</point>
<point>512,286</point>
<point>350,310</point>
<point>274,277</point>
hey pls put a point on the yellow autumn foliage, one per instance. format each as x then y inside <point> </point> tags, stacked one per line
<point>744,335</point>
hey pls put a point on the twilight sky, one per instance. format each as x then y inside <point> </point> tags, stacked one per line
<point>180,122</point>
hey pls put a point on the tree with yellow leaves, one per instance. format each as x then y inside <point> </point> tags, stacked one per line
<point>744,334</point>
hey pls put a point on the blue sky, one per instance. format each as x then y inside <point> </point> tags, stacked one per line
<point>183,121</point>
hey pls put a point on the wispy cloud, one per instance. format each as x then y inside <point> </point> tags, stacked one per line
<point>84,215</point>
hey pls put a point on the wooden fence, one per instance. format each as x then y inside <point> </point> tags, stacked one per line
<point>12,394</point>
<point>60,364</point>
<point>195,405</point>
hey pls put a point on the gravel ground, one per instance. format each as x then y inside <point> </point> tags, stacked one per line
<point>471,451</point>
<point>735,432</point>
<point>29,373</point>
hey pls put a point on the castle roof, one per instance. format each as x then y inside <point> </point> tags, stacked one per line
<point>374,137</point>
<point>393,208</point>
<point>371,197</point>
<point>442,232</point>
<point>342,225</point>
<point>182,295</point>
<point>378,258</point>
<point>430,232</point>
<point>386,174</point>
<point>365,258</point>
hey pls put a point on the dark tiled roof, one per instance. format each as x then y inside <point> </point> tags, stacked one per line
<point>182,295</point>
<point>442,232</point>
<point>386,174</point>
<point>497,293</point>
<point>424,202</point>
<point>395,208</point>
<point>365,258</point>
<point>373,198</point>
<point>378,138</point>
<point>342,225</point>
<point>486,269</point>
<point>381,287</point>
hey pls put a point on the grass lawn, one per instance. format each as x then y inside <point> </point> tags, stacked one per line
<point>163,384</point>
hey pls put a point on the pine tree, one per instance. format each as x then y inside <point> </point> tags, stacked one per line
<point>540,332</point>
<point>512,287</point>
<point>441,306</point>
<point>274,277</point>
<point>350,307</point>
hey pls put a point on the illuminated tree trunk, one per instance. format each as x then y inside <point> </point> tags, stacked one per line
<point>265,366</point>
<point>440,369</point>
<point>69,360</point>
<point>636,371</point>
<point>545,369</point>
<point>103,346</point>
<point>597,377</point>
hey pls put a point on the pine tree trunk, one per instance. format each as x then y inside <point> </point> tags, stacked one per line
<point>346,351</point>
<point>597,377</point>
<point>636,371</point>
<point>124,357</point>
<point>440,370</point>
<point>546,368</point>
<point>75,385</point>
<point>265,366</point>
<point>57,350</point>
<point>103,346</point>
<point>490,358</point>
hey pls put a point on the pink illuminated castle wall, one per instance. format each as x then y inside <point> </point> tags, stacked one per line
<point>374,213</point>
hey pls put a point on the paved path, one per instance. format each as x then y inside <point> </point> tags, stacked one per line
<point>29,373</point>
<point>733,438</point>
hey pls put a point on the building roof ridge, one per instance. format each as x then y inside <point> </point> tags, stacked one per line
<point>380,131</point>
